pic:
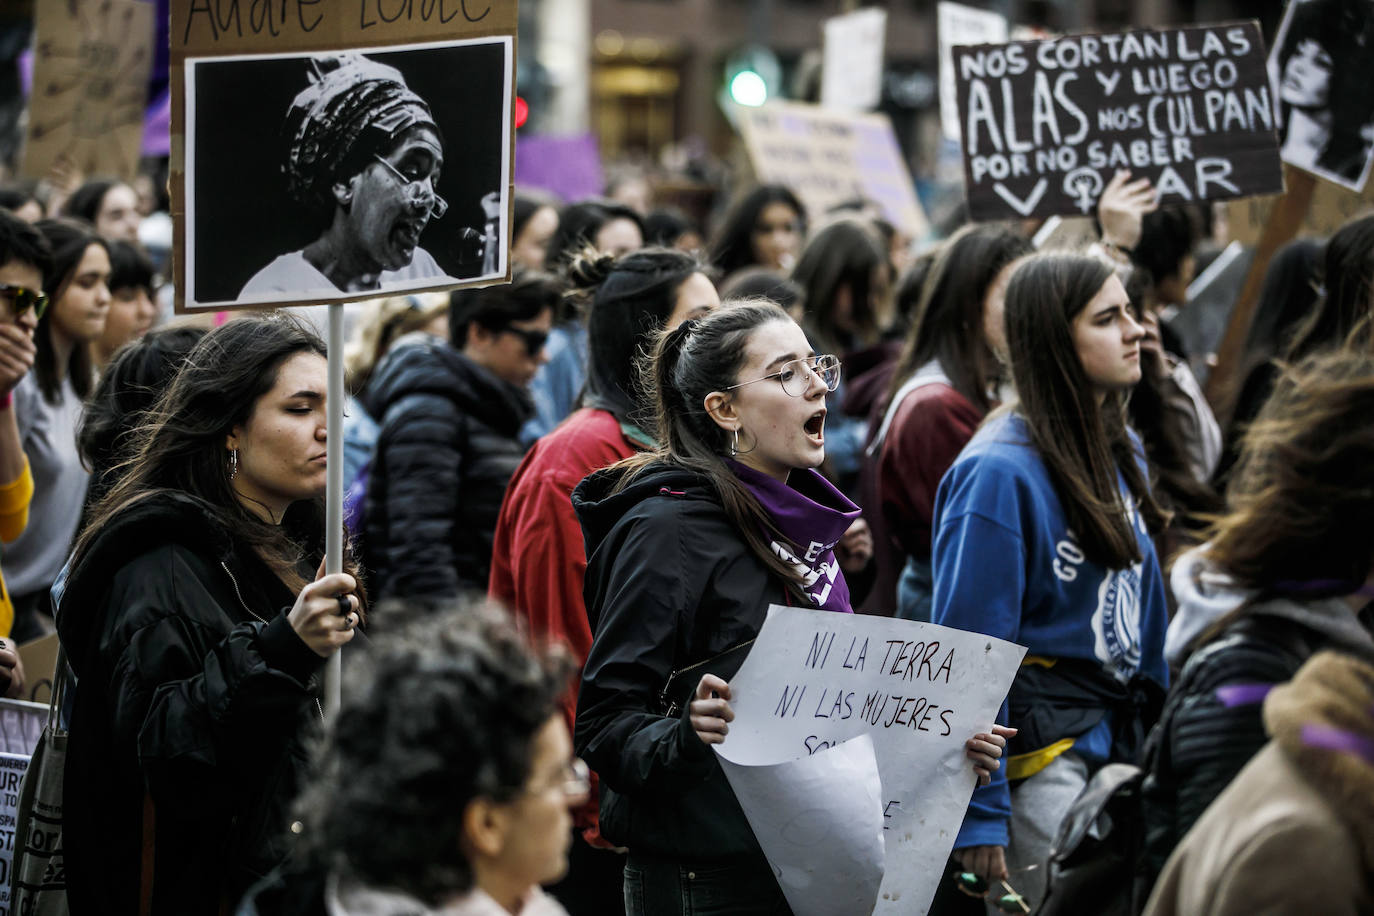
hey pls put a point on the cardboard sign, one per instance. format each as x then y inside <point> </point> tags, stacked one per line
<point>813,682</point>
<point>1046,124</point>
<point>1332,207</point>
<point>957,24</point>
<point>852,75</point>
<point>90,87</point>
<point>830,157</point>
<point>328,152</point>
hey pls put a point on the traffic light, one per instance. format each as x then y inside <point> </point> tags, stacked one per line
<point>752,76</point>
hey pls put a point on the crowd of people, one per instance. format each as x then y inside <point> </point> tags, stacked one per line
<point>563,490</point>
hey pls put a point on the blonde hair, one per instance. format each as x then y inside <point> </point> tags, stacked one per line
<point>381,325</point>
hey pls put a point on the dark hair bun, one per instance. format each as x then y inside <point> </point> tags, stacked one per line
<point>588,269</point>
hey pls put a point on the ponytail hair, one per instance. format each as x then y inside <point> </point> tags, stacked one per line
<point>686,364</point>
<point>1082,444</point>
<point>627,300</point>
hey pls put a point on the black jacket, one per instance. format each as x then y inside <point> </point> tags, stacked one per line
<point>1204,737</point>
<point>447,448</point>
<point>192,685</point>
<point>669,583</point>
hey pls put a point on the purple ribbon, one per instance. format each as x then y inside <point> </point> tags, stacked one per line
<point>1337,739</point>
<point>1243,694</point>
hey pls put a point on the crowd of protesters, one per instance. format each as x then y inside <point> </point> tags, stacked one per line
<point>563,489</point>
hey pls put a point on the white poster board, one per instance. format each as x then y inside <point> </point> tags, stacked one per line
<point>961,25</point>
<point>852,75</point>
<point>815,681</point>
<point>12,767</point>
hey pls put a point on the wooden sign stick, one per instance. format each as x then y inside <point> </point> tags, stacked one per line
<point>1284,222</point>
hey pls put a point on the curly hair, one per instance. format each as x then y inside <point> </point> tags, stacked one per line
<point>444,712</point>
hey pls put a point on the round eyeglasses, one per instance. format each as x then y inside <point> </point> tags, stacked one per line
<point>795,376</point>
<point>416,189</point>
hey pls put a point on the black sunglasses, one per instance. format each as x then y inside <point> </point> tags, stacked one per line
<point>22,299</point>
<point>534,340</point>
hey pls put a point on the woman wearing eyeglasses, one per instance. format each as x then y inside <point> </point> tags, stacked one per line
<point>687,545</point>
<point>365,158</point>
<point>450,416</point>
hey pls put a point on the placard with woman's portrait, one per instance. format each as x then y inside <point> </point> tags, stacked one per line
<point>1323,90</point>
<point>342,175</point>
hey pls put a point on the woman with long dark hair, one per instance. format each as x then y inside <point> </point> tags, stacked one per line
<point>48,403</point>
<point>687,545</point>
<point>196,628</point>
<point>945,383</point>
<point>1043,537</point>
<point>538,560</point>
<point>765,227</point>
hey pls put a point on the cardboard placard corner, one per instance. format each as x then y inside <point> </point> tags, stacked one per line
<point>828,157</point>
<point>852,74</point>
<point>91,61</point>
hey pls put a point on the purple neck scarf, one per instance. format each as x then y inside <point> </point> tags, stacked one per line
<point>812,515</point>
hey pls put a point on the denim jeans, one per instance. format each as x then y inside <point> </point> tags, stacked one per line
<point>915,590</point>
<point>658,887</point>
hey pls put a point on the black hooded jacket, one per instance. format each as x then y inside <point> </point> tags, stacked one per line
<point>191,686</point>
<point>670,582</point>
<point>446,451</point>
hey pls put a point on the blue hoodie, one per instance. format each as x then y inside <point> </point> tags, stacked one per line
<point>1007,565</point>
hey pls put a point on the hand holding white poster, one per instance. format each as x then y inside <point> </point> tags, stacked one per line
<point>813,681</point>
<point>817,818</point>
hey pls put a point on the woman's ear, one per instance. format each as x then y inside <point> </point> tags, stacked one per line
<point>485,824</point>
<point>231,441</point>
<point>343,191</point>
<point>721,408</point>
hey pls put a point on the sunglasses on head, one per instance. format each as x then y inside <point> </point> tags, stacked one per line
<point>533,340</point>
<point>22,299</point>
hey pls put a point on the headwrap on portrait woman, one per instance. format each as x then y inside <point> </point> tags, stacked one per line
<point>348,96</point>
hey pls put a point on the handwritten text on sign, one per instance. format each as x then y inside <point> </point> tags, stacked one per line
<point>814,680</point>
<point>1047,123</point>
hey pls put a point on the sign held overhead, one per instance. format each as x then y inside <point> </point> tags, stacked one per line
<point>1047,123</point>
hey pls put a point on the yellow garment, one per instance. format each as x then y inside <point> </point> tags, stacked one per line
<point>1021,766</point>
<point>14,516</point>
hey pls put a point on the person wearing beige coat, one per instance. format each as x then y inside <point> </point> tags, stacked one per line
<point>1294,832</point>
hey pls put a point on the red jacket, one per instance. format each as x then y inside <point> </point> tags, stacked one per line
<point>931,426</point>
<point>538,559</point>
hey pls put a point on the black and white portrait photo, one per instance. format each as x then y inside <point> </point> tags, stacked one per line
<point>1320,68</point>
<point>316,178</point>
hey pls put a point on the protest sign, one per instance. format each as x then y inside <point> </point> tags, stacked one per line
<point>91,60</point>
<point>1332,207</point>
<point>852,73</point>
<point>326,152</point>
<point>832,157</point>
<point>957,24</point>
<point>1323,91</point>
<point>1047,123</point>
<point>815,680</point>
<point>12,767</point>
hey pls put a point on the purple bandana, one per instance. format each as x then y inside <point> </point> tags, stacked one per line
<point>813,516</point>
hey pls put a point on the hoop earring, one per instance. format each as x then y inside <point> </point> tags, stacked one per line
<point>734,444</point>
<point>233,463</point>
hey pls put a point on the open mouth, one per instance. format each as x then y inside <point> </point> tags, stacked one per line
<point>815,427</point>
<point>407,234</point>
